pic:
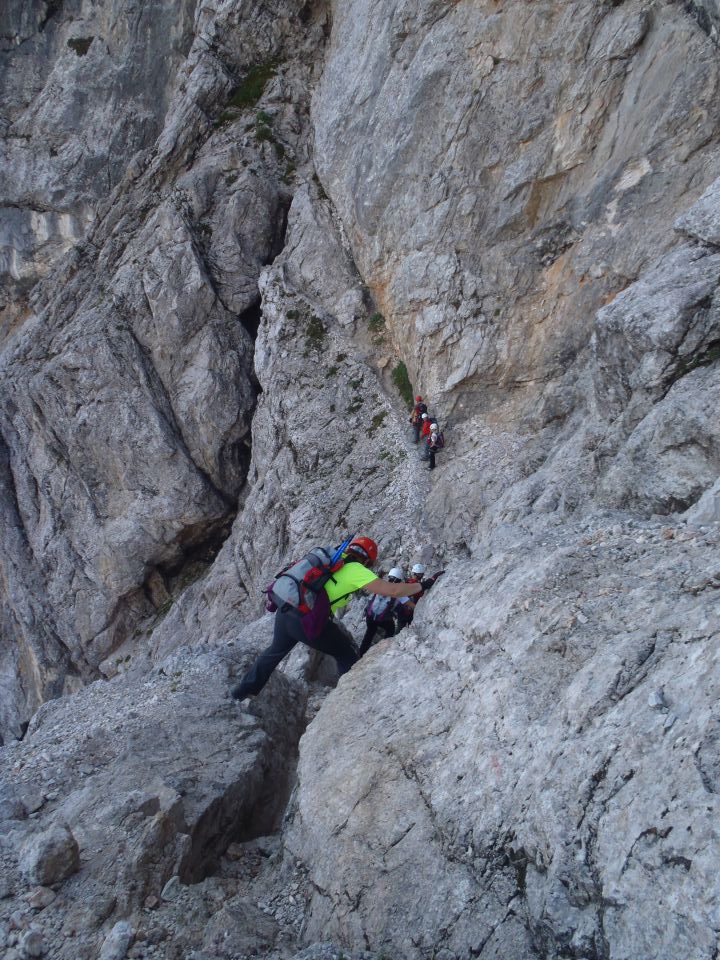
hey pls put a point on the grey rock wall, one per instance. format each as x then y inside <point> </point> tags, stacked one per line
<point>128,389</point>
<point>84,87</point>
<point>514,770</point>
<point>707,13</point>
<point>501,176</point>
<point>520,202</point>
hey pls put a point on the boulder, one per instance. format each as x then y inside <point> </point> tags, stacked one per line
<point>239,929</point>
<point>117,943</point>
<point>50,856</point>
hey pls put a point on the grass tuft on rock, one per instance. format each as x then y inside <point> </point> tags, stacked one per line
<point>377,421</point>
<point>315,334</point>
<point>80,45</point>
<point>402,381</point>
<point>711,354</point>
<point>376,323</point>
<point>251,88</point>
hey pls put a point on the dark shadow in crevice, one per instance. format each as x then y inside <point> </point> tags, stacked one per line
<point>199,545</point>
<point>253,805</point>
<point>237,457</point>
<point>706,19</point>
<point>51,8</point>
<point>251,317</point>
<point>703,358</point>
<point>277,242</point>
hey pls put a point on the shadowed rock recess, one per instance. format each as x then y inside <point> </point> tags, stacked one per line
<point>223,228</point>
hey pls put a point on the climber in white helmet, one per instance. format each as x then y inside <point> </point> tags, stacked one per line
<point>379,614</point>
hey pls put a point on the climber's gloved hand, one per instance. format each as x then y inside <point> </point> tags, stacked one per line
<point>430,581</point>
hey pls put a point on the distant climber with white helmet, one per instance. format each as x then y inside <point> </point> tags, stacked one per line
<point>406,611</point>
<point>433,446</point>
<point>379,613</point>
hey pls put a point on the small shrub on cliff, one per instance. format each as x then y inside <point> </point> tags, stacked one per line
<point>701,359</point>
<point>376,323</point>
<point>251,88</point>
<point>377,421</point>
<point>315,334</point>
<point>402,381</point>
<point>246,94</point>
<point>80,45</point>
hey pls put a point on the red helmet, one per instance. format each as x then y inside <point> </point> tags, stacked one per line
<point>365,548</point>
<point>418,399</point>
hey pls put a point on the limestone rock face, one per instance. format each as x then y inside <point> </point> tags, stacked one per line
<point>501,176</point>
<point>227,227</point>
<point>154,780</point>
<point>84,87</point>
<point>708,16</point>
<point>512,769</point>
<point>127,392</point>
<point>327,456</point>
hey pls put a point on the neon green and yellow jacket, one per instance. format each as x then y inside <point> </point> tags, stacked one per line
<point>349,578</point>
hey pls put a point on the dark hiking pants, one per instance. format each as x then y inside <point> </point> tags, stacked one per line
<point>386,626</point>
<point>334,640</point>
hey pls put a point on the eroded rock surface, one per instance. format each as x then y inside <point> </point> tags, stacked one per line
<point>501,175</point>
<point>514,768</point>
<point>127,393</point>
<point>198,346</point>
<point>153,782</point>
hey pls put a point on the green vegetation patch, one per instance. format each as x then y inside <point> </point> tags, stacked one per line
<point>163,610</point>
<point>402,381</point>
<point>376,326</point>
<point>251,88</point>
<point>376,323</point>
<point>377,421</point>
<point>391,458</point>
<point>315,333</point>
<point>700,359</point>
<point>227,116</point>
<point>80,45</point>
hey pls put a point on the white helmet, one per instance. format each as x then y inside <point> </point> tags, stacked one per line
<point>397,573</point>
<point>419,568</point>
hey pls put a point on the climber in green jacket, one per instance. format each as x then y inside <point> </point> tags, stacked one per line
<point>317,628</point>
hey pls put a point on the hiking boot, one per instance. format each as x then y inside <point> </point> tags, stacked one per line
<point>238,692</point>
